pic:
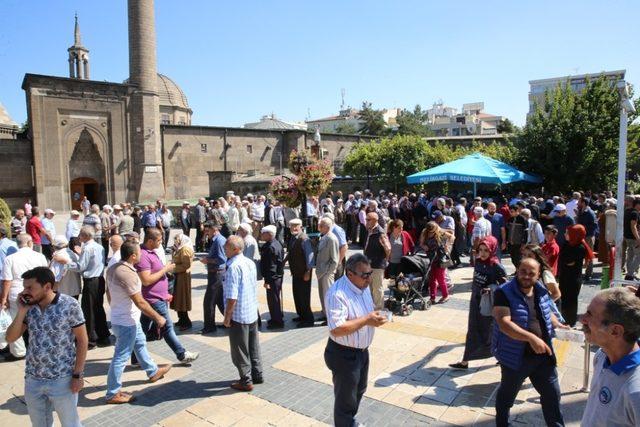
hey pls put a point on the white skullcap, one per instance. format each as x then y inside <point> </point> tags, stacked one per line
<point>271,229</point>
<point>478,209</point>
<point>246,227</point>
<point>329,215</point>
<point>295,221</point>
<point>60,241</point>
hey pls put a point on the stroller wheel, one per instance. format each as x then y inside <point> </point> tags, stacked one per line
<point>409,309</point>
<point>422,305</point>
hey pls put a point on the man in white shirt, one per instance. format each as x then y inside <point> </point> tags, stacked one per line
<point>352,321</point>
<point>73,225</point>
<point>50,228</point>
<point>257,215</point>
<point>481,229</point>
<point>14,266</point>
<point>572,205</point>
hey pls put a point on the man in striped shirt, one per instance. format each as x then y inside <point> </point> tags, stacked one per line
<point>351,320</point>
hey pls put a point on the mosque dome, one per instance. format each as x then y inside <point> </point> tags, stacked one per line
<point>170,93</point>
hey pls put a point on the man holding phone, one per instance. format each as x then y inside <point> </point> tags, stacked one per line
<point>124,292</point>
<point>58,344</point>
<point>352,321</point>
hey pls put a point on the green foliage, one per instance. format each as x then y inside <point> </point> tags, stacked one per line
<point>373,121</point>
<point>633,153</point>
<point>505,126</point>
<point>5,215</point>
<point>572,140</point>
<point>413,122</point>
<point>391,160</point>
<point>346,128</point>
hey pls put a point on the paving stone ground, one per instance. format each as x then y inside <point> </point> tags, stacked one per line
<point>409,379</point>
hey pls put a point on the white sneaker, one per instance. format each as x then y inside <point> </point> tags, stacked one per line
<point>189,357</point>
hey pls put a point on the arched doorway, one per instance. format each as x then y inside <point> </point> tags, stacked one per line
<point>81,187</point>
<point>86,172</point>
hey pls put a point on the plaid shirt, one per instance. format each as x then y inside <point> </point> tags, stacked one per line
<point>240,284</point>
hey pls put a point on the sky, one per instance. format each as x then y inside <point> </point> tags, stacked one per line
<point>239,60</point>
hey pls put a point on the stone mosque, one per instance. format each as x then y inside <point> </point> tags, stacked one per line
<point>134,141</point>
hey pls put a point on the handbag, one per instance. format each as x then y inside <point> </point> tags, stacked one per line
<point>5,322</point>
<point>486,301</point>
<point>444,259</point>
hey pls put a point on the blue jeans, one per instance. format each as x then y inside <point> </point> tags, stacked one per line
<point>128,339</point>
<point>43,396</point>
<point>169,334</point>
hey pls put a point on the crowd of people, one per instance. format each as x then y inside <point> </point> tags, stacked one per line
<point>127,253</point>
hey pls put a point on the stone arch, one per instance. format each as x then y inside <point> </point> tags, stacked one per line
<point>86,162</point>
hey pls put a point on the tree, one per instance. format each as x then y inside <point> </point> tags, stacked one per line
<point>373,121</point>
<point>5,216</point>
<point>346,128</point>
<point>572,139</point>
<point>505,126</point>
<point>363,159</point>
<point>413,122</point>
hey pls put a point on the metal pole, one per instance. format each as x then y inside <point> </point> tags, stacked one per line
<point>474,189</point>
<point>622,172</point>
<point>586,367</point>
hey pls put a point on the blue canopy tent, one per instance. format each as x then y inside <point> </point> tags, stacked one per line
<point>474,168</point>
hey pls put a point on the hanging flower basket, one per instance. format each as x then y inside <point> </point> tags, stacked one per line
<point>285,190</point>
<point>316,178</point>
<point>298,160</point>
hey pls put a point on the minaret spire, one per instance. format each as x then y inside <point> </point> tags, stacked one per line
<point>76,34</point>
<point>78,55</point>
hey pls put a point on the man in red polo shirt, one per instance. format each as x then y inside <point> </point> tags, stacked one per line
<point>36,230</point>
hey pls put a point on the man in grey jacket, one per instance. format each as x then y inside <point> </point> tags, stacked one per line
<point>326,259</point>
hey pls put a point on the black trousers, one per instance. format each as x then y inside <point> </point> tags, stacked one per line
<point>92,308</point>
<point>274,301</point>
<point>570,290</point>
<point>245,351</point>
<point>212,298</point>
<point>199,239</point>
<point>165,237</point>
<point>105,246</point>
<point>350,369</point>
<point>47,251</point>
<point>515,251</point>
<point>302,298</point>
<point>541,370</point>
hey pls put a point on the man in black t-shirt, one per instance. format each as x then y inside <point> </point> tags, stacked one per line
<point>516,232</point>
<point>632,238</point>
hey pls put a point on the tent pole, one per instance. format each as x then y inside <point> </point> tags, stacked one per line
<point>474,189</point>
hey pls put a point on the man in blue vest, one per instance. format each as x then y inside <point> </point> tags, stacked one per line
<point>523,328</point>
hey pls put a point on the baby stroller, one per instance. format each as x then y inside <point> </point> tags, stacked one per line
<point>409,288</point>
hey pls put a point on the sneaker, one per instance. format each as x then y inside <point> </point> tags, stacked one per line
<point>189,356</point>
<point>162,369</point>
<point>459,365</point>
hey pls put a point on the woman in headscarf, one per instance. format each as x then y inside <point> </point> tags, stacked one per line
<point>182,258</point>
<point>573,255</point>
<point>488,273</point>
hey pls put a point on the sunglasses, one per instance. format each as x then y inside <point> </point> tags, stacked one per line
<point>364,275</point>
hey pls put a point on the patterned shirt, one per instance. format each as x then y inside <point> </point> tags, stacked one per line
<point>52,344</point>
<point>240,284</point>
<point>345,301</point>
<point>481,228</point>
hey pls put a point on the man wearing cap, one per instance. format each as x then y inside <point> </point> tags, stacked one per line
<point>272,269</point>
<point>215,261</point>
<point>15,265</point>
<point>562,221</point>
<point>73,225</point>
<point>47,238</point>
<point>300,257</point>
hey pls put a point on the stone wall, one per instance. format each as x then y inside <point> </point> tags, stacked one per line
<point>196,162</point>
<point>16,161</point>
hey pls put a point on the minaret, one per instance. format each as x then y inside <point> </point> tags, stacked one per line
<point>148,183</point>
<point>78,56</point>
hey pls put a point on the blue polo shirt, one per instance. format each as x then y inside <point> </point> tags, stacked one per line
<point>216,253</point>
<point>497,222</point>
<point>614,399</point>
<point>340,234</point>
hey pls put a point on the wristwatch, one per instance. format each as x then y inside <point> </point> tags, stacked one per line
<point>77,376</point>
